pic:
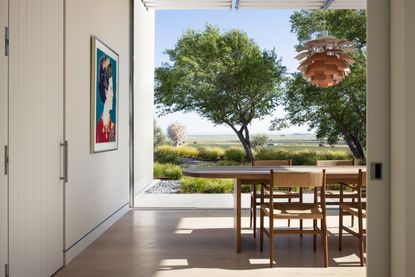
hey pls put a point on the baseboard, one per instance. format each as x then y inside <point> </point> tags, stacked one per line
<point>74,250</point>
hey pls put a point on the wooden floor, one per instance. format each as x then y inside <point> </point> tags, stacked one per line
<point>200,243</point>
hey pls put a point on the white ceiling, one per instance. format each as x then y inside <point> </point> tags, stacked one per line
<point>254,4</point>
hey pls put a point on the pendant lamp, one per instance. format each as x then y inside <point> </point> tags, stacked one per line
<point>325,61</point>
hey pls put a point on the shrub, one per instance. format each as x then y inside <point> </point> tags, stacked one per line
<point>272,154</point>
<point>302,157</point>
<point>211,153</point>
<point>168,171</point>
<point>235,154</point>
<point>172,172</point>
<point>166,154</point>
<point>204,185</point>
<point>334,155</point>
<point>158,171</point>
<point>187,152</point>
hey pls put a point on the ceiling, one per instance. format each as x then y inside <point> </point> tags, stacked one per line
<point>253,4</point>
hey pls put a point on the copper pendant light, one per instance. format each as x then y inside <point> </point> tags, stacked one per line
<point>324,61</point>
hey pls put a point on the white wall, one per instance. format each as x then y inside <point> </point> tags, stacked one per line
<point>143,95</point>
<point>98,183</point>
<point>403,137</point>
<point>3,135</point>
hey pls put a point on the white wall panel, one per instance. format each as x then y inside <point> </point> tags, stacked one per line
<point>143,95</point>
<point>3,134</point>
<point>402,136</point>
<point>98,183</point>
<point>35,134</point>
<point>378,137</point>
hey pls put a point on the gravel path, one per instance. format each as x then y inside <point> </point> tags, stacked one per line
<point>164,186</point>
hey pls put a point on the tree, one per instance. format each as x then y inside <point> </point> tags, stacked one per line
<point>339,111</point>
<point>259,141</point>
<point>158,137</point>
<point>223,77</point>
<point>176,133</point>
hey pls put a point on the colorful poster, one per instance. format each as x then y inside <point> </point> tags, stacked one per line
<point>104,97</point>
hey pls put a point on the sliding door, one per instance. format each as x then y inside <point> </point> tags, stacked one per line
<point>35,135</point>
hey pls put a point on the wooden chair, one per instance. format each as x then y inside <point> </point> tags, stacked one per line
<point>256,199</point>
<point>336,194</point>
<point>299,211</point>
<point>357,209</point>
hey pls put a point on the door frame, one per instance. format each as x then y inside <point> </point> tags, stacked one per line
<point>4,79</point>
<point>378,136</point>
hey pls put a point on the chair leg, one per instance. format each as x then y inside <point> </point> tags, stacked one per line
<point>352,219</point>
<point>252,207</point>
<point>324,242</point>
<point>261,230</point>
<point>314,235</point>
<point>301,227</point>
<point>271,246</point>
<point>301,221</point>
<point>361,243</point>
<point>340,228</point>
<point>254,218</point>
<point>289,201</point>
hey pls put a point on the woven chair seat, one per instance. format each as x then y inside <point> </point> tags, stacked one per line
<point>294,211</point>
<point>278,194</point>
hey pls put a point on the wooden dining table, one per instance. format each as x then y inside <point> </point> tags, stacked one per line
<point>250,174</point>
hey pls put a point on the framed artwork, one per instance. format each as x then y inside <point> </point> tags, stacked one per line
<point>104,97</point>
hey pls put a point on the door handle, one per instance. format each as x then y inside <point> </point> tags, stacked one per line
<point>64,145</point>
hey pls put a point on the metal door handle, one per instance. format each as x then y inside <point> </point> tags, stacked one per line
<point>64,145</point>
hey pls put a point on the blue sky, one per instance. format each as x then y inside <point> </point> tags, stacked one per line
<point>269,28</point>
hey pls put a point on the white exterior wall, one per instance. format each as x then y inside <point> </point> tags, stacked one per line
<point>143,96</point>
<point>98,183</point>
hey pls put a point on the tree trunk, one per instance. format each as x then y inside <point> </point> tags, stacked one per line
<point>247,146</point>
<point>356,147</point>
<point>246,143</point>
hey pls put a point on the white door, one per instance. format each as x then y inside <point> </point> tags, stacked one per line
<point>3,134</point>
<point>35,134</point>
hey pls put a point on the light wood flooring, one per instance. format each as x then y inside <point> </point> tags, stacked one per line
<point>200,243</point>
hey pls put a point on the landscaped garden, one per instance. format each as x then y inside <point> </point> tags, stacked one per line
<point>169,161</point>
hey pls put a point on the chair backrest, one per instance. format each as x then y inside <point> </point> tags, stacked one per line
<point>271,163</point>
<point>334,162</point>
<point>298,179</point>
<point>362,178</point>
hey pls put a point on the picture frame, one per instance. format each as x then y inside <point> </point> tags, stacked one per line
<point>104,97</point>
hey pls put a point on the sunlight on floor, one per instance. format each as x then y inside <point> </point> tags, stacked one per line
<point>174,262</point>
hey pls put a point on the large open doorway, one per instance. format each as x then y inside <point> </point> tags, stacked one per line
<point>378,145</point>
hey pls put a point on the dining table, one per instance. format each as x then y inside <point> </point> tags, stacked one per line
<point>256,174</point>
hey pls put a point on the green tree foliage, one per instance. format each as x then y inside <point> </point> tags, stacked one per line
<point>339,111</point>
<point>223,77</point>
<point>158,137</point>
